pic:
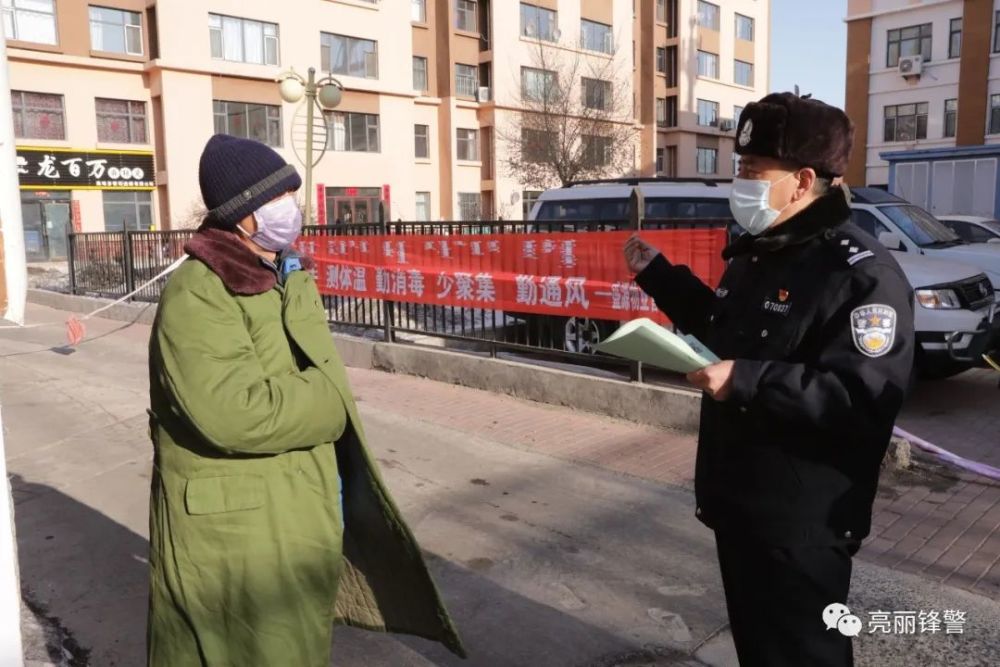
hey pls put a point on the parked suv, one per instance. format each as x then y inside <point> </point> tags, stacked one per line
<point>955,313</point>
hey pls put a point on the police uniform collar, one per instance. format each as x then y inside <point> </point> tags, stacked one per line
<point>829,211</point>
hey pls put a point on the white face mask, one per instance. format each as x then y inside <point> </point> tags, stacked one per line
<point>750,202</point>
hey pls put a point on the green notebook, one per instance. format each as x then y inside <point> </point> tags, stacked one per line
<point>646,341</point>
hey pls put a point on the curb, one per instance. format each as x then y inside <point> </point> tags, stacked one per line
<point>662,407</point>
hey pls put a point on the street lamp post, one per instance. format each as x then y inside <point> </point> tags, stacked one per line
<point>323,94</point>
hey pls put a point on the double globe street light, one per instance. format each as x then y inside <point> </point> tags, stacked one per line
<point>324,95</point>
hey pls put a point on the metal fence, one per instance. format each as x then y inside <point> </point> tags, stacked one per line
<point>112,264</point>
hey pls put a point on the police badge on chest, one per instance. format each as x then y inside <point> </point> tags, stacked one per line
<point>779,305</point>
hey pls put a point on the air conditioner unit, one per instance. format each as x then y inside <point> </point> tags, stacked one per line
<point>727,125</point>
<point>911,65</point>
<point>483,94</point>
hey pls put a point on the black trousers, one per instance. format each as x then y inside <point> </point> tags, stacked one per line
<point>776,596</point>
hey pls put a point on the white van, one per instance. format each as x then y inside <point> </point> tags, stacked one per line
<point>956,316</point>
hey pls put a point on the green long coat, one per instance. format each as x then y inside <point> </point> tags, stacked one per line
<point>256,435</point>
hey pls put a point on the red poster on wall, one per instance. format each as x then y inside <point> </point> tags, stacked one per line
<point>320,204</point>
<point>579,274</point>
<point>74,212</point>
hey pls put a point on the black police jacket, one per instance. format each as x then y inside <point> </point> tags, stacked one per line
<point>818,318</point>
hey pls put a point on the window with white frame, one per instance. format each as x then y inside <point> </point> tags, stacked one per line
<point>708,15</point>
<point>127,210</point>
<point>914,40</point>
<point>596,36</point>
<point>467,144</point>
<point>243,40</point>
<point>469,205</point>
<point>950,117</point>
<point>708,159</point>
<point>115,31</point>
<point>351,56</point>
<point>420,74</point>
<point>423,208</point>
<point>30,20</point>
<point>708,113</point>
<point>596,94</point>
<point>661,111</point>
<point>354,132</point>
<point>261,122</point>
<point>421,141</point>
<point>538,22</point>
<point>465,15</point>
<point>906,122</point>
<point>661,59</point>
<point>537,85</point>
<point>418,11</point>
<point>596,150</point>
<point>708,65</point>
<point>744,28</point>
<point>121,121</point>
<point>38,115</point>
<point>743,73</point>
<point>466,80</point>
<point>528,200</point>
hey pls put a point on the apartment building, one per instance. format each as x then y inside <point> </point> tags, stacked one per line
<point>923,89</point>
<point>113,101</point>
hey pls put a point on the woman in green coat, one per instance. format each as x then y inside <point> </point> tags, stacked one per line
<point>269,521</point>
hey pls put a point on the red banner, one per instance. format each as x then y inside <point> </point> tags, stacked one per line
<point>568,274</point>
<point>320,205</point>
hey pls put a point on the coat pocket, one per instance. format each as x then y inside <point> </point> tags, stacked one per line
<point>215,495</point>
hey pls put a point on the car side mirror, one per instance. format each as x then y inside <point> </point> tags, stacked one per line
<point>891,240</point>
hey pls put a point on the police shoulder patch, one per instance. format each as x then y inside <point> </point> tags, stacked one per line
<point>873,328</point>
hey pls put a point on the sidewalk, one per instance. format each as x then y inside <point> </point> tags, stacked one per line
<point>557,537</point>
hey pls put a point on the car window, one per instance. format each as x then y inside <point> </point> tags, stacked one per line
<point>923,228</point>
<point>661,208</point>
<point>868,222</point>
<point>963,229</point>
<point>979,234</point>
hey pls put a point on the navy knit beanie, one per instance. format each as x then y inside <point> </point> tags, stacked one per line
<point>238,176</point>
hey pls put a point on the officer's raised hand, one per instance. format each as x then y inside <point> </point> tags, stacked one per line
<point>638,254</point>
<point>715,380</point>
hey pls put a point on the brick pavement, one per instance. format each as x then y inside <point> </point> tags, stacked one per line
<point>929,520</point>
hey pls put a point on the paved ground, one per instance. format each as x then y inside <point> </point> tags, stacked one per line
<point>558,538</point>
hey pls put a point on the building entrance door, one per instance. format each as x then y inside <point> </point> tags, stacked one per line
<point>46,226</point>
<point>355,209</point>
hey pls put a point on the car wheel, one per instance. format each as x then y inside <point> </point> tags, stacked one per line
<point>582,334</point>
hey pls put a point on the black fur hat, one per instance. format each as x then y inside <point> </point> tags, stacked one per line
<point>801,130</point>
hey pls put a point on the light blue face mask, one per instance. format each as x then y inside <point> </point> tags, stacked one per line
<point>750,202</point>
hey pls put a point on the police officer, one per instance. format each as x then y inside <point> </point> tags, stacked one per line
<point>814,320</point>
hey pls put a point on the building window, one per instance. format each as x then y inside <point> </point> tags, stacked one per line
<point>465,15</point>
<point>671,66</point>
<point>528,200</point>
<point>661,111</point>
<point>597,94</point>
<point>421,139</point>
<point>115,31</point>
<point>467,142</point>
<point>420,74</point>
<point>596,150</point>
<point>596,37</point>
<point>121,121</point>
<point>350,56</point>
<point>261,122</point>
<point>659,160</point>
<point>994,114</point>
<point>950,117</point>
<point>38,115</point>
<point>744,27</point>
<point>661,59</point>
<point>469,205</point>
<point>708,113</point>
<point>912,41</point>
<point>537,85</point>
<point>737,112</point>
<point>661,10</point>
<point>127,210</point>
<point>708,15</point>
<point>29,20</point>
<point>996,33</point>
<point>708,65</point>
<point>672,111</point>
<point>466,80</point>
<point>538,22</point>
<point>354,132</point>
<point>418,11</point>
<point>743,73</point>
<point>423,207</point>
<point>242,40</point>
<point>955,39</point>
<point>906,122</point>
<point>536,145</point>
<point>708,160</point>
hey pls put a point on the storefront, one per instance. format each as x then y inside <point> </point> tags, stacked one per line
<point>53,181</point>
